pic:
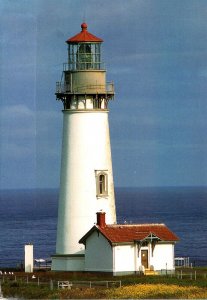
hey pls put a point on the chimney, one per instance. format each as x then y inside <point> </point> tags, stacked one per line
<point>101,222</point>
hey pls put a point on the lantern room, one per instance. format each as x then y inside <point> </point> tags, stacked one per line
<point>83,84</point>
<point>84,51</point>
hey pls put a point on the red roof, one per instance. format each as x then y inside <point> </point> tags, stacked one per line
<point>131,233</point>
<point>84,36</point>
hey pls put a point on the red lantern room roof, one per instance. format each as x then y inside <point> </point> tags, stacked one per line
<point>84,36</point>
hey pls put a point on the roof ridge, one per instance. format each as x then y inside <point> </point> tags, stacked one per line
<point>138,225</point>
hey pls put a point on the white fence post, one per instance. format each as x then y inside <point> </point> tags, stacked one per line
<point>51,284</point>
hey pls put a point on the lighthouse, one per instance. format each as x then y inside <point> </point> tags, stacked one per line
<point>86,177</point>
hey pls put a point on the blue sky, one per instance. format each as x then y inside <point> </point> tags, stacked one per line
<point>156,54</point>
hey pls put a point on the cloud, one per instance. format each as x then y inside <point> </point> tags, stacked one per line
<point>23,131</point>
<point>14,151</point>
<point>17,133</point>
<point>203,72</point>
<point>17,111</point>
<point>17,121</point>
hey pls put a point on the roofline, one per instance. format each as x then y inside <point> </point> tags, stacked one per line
<point>94,228</point>
<point>138,225</point>
<point>84,42</point>
<point>84,36</point>
<point>81,241</point>
<point>97,228</point>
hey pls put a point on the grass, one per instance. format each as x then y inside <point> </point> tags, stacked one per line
<point>136,287</point>
<point>158,291</point>
<point>26,291</point>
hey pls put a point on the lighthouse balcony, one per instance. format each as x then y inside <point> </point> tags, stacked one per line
<point>65,88</point>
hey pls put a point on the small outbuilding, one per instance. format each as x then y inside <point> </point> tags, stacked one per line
<point>126,249</point>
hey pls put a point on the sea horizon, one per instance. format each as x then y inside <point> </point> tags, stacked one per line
<point>30,216</point>
<point>115,186</point>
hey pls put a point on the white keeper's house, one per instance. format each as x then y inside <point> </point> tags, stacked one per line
<point>124,249</point>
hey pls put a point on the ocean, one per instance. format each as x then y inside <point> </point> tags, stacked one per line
<point>30,216</point>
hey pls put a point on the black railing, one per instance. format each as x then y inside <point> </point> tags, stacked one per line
<point>76,66</point>
<point>62,87</point>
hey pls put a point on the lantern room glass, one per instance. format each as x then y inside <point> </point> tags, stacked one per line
<point>84,56</point>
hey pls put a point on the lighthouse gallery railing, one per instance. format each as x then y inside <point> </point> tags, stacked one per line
<point>62,87</point>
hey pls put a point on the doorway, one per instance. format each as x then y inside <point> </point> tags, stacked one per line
<point>144,258</point>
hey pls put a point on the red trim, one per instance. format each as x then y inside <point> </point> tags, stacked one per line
<point>84,36</point>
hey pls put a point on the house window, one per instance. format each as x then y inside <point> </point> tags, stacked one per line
<point>101,183</point>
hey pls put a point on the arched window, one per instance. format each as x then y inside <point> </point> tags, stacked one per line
<point>102,183</point>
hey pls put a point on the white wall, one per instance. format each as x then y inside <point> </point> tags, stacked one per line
<point>124,258</point>
<point>98,254</point>
<point>86,148</point>
<point>64,263</point>
<point>163,257</point>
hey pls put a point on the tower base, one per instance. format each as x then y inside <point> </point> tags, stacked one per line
<point>68,262</point>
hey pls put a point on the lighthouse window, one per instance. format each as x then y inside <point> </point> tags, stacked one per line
<point>84,57</point>
<point>102,184</point>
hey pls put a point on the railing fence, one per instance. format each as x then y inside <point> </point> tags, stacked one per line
<point>52,283</point>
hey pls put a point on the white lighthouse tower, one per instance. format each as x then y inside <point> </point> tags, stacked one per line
<point>86,183</point>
